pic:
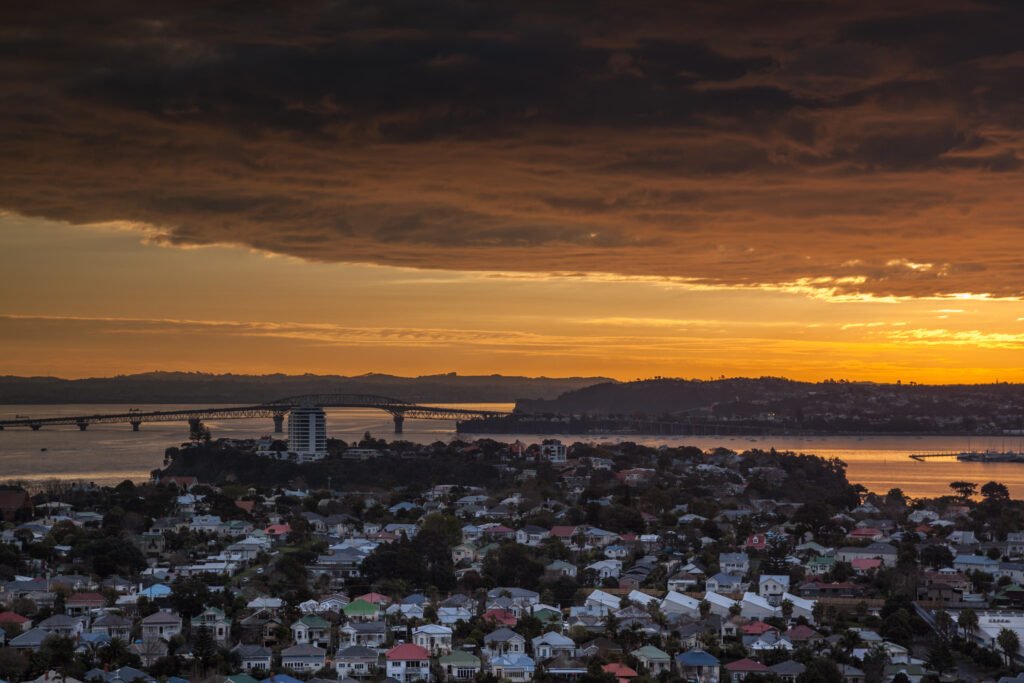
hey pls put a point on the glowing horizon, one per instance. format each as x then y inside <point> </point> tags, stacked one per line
<point>589,188</point>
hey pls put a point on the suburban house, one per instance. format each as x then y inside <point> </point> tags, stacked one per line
<point>698,665</point>
<point>161,625</point>
<point>723,582</point>
<point>214,621</point>
<point>254,658</point>
<point>366,634</point>
<point>435,639</point>
<point>311,630</point>
<point>513,667</point>
<point>63,625</point>
<point>734,563</point>
<point>408,662</point>
<point>772,587</point>
<point>80,604</point>
<point>356,661</point>
<point>460,666</point>
<point>551,644</point>
<point>303,658</point>
<point>531,535</point>
<point>113,626</point>
<point>504,641</point>
<point>880,551</point>
<point>739,670</point>
<point>653,660</point>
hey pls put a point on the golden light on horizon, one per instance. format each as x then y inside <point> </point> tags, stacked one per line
<point>136,306</point>
<point>626,191</point>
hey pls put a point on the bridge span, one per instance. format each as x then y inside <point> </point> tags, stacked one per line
<point>275,410</point>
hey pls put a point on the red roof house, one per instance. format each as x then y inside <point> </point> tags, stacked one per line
<point>739,670</point>
<point>375,598</point>
<point>623,673</point>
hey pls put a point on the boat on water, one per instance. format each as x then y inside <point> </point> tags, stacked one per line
<point>991,456</point>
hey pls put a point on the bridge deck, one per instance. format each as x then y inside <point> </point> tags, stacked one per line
<point>277,409</point>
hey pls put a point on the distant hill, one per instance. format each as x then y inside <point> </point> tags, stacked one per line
<point>823,406</point>
<point>187,387</point>
<point>662,396</point>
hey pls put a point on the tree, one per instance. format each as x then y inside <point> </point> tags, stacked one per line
<point>116,654</point>
<point>705,608</point>
<point>513,564</point>
<point>874,663</point>
<point>787,610</point>
<point>445,526</point>
<point>611,626</point>
<point>821,670</point>
<point>936,556</point>
<point>204,647</point>
<point>1009,643</point>
<point>56,652</point>
<point>849,639</point>
<point>189,596</point>
<point>940,657</point>
<point>943,625</point>
<point>964,489</point>
<point>818,611</point>
<point>13,664</point>
<point>896,497</point>
<point>898,627</point>
<point>994,492</point>
<point>967,620</point>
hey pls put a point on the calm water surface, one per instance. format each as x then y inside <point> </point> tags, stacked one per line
<point>112,453</point>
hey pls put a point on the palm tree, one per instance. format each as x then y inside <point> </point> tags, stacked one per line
<point>611,626</point>
<point>943,624</point>
<point>113,653</point>
<point>849,640</point>
<point>967,620</point>
<point>1009,642</point>
<point>787,610</point>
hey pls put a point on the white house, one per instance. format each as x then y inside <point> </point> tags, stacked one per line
<point>554,451</point>
<point>161,625</point>
<point>553,644</point>
<point>606,569</point>
<point>435,639</point>
<point>677,603</point>
<point>771,587</point>
<point>600,599</point>
<point>753,606</point>
<point>303,658</point>
<point>734,563</point>
<point>503,641</point>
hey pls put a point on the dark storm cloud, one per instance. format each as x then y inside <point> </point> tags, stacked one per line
<point>871,144</point>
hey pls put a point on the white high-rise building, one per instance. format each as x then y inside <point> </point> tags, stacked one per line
<point>307,433</point>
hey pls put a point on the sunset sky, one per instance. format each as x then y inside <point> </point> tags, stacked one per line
<point>808,189</point>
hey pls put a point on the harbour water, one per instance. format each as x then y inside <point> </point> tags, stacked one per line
<point>111,453</point>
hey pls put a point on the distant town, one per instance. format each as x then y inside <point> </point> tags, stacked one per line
<point>279,561</point>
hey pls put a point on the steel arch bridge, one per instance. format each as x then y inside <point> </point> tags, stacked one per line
<point>275,410</point>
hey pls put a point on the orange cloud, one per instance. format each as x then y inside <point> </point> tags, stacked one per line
<point>851,149</point>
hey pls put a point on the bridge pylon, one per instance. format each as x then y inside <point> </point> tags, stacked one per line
<point>82,425</point>
<point>399,419</point>
<point>278,423</point>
